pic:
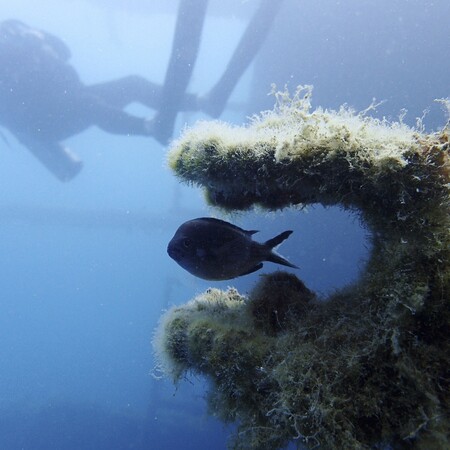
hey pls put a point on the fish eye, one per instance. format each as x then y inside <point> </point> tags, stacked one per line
<point>187,243</point>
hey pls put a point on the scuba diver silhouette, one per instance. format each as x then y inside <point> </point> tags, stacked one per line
<point>43,100</point>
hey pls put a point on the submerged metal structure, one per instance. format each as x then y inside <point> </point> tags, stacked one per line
<point>369,365</point>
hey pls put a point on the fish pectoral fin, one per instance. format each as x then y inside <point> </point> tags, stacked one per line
<point>253,269</point>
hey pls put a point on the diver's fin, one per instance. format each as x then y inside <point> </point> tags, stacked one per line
<point>186,42</point>
<point>59,160</point>
<point>253,269</point>
<point>250,43</point>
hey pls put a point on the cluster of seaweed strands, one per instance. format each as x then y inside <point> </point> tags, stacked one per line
<point>369,365</point>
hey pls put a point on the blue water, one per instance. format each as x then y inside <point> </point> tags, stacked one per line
<point>84,274</point>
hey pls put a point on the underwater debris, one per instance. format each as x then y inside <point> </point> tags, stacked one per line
<point>366,367</point>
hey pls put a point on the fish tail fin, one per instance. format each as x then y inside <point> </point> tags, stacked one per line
<point>278,259</point>
<point>277,240</point>
<point>275,257</point>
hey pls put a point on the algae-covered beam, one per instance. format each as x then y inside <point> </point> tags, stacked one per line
<point>293,155</point>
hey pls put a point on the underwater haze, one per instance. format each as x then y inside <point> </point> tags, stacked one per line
<point>84,271</point>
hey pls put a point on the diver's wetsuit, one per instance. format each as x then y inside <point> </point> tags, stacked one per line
<point>43,101</point>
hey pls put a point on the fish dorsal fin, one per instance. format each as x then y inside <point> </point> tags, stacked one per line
<point>228,225</point>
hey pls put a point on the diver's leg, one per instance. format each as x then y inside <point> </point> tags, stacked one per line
<point>190,18</point>
<point>115,120</point>
<point>251,41</point>
<point>134,88</point>
<point>122,92</point>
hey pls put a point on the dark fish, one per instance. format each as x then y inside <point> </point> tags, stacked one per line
<point>213,249</point>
